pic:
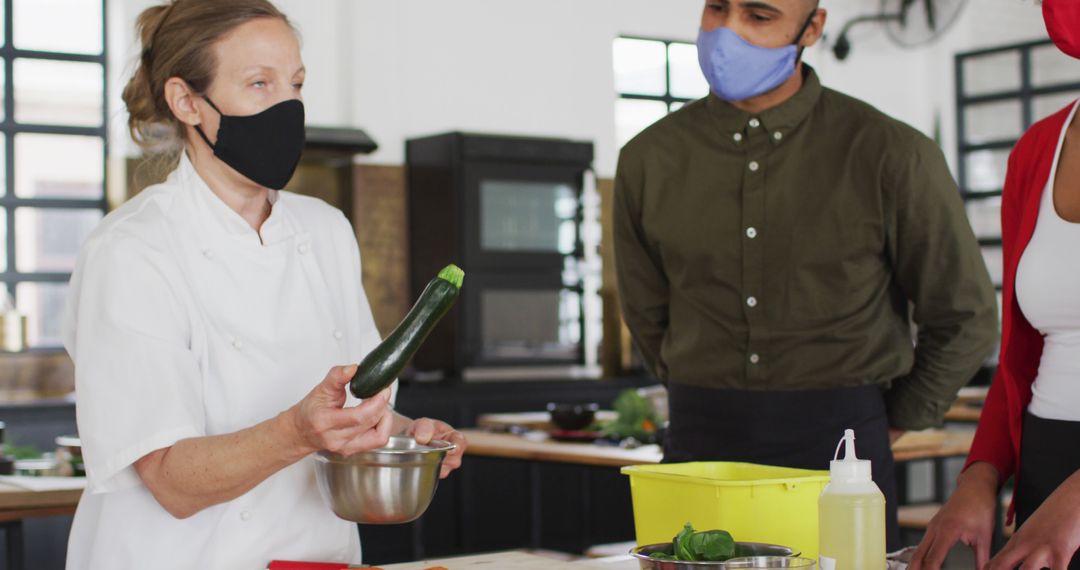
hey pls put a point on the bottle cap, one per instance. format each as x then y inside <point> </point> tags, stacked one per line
<point>850,469</point>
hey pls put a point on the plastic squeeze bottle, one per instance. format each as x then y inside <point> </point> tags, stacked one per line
<point>851,514</point>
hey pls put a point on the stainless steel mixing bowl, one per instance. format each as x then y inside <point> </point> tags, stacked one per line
<point>754,549</point>
<point>767,562</point>
<point>389,485</point>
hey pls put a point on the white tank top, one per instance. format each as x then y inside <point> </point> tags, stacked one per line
<point>1048,292</point>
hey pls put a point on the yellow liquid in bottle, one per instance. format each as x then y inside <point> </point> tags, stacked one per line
<point>852,531</point>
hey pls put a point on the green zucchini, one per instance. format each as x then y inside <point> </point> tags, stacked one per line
<point>382,366</point>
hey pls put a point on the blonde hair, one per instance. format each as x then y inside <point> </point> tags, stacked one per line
<point>177,41</point>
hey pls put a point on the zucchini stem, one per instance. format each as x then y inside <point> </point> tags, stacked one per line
<point>453,274</point>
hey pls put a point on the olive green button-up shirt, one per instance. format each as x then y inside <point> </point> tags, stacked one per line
<point>786,251</point>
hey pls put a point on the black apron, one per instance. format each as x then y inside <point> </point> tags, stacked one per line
<point>798,429</point>
<point>1048,456</point>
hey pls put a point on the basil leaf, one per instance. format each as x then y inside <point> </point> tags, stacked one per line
<point>712,545</point>
<point>682,544</point>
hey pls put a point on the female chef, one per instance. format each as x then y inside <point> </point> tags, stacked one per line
<point>210,315</point>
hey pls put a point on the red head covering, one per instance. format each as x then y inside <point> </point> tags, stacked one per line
<point>1063,23</point>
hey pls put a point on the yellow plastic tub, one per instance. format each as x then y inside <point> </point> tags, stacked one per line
<point>755,503</point>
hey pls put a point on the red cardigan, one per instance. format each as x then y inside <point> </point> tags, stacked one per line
<point>997,440</point>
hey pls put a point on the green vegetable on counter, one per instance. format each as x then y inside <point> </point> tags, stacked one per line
<point>706,546</point>
<point>382,365</point>
<point>635,418</point>
<point>21,451</point>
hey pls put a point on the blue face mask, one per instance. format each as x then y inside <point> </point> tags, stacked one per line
<point>737,69</point>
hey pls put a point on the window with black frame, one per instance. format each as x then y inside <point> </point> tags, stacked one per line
<point>52,151</point>
<point>652,78</point>
<point>1000,92</point>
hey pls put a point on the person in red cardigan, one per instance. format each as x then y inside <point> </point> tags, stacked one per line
<point>1030,425</point>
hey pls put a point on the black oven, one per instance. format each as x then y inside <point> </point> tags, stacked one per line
<point>508,210</point>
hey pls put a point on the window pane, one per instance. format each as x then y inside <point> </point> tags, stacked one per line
<point>985,217</point>
<point>1051,67</point>
<point>993,258</point>
<point>48,239</point>
<point>640,67</point>
<point>632,116</point>
<point>43,305</point>
<point>986,170</point>
<point>993,122</point>
<point>58,92</point>
<point>1047,105</point>
<point>3,165</point>
<point>38,174</point>
<point>686,77</point>
<point>527,216</point>
<point>3,244</point>
<point>992,73</point>
<point>677,105</point>
<point>71,26</point>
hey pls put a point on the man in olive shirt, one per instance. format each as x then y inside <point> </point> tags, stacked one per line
<point>769,240</point>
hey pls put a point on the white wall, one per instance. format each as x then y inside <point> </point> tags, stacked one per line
<point>406,68</point>
<point>914,85</point>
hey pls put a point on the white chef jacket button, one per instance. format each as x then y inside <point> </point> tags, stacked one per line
<point>245,515</point>
<point>237,344</point>
<point>208,253</point>
<point>338,335</point>
<point>754,166</point>
<point>738,137</point>
<point>754,358</point>
<point>754,123</point>
<point>302,248</point>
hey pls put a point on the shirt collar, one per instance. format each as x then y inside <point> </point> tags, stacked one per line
<point>217,214</point>
<point>782,118</point>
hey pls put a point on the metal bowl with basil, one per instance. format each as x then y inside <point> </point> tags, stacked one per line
<point>743,550</point>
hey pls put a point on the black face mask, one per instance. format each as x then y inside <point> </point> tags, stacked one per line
<point>264,147</point>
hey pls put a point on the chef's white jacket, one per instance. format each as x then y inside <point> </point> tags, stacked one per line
<point>183,323</point>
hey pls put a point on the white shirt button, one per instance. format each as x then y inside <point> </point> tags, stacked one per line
<point>245,516</point>
<point>338,335</point>
<point>751,302</point>
<point>302,248</point>
<point>751,233</point>
<point>754,166</point>
<point>208,253</point>
<point>754,123</point>
<point>237,343</point>
<point>778,135</point>
<point>738,137</point>
<point>754,358</point>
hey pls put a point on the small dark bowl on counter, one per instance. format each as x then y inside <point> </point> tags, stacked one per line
<point>572,417</point>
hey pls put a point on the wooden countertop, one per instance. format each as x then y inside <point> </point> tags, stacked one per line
<point>922,445</point>
<point>17,503</point>
<point>509,446</point>
<point>963,412</point>
<point>956,443</point>
<point>968,405</point>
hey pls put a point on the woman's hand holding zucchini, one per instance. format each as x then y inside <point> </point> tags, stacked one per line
<point>322,423</point>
